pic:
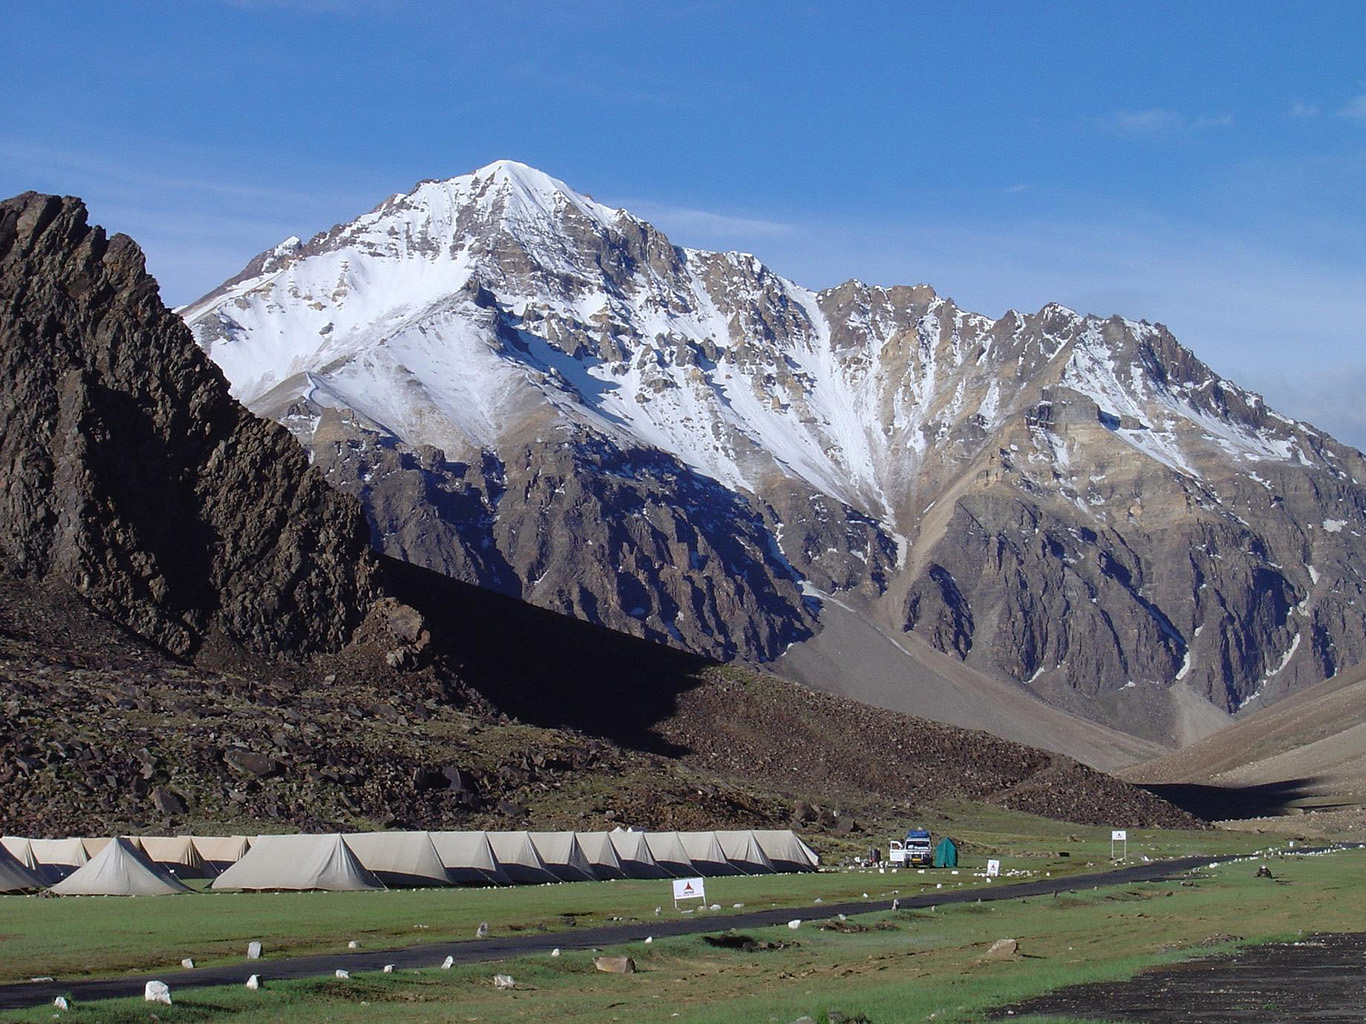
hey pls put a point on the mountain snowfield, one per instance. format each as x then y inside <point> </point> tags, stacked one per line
<point>541,394</point>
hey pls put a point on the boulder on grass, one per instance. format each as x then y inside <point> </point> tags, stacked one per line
<point>1003,949</point>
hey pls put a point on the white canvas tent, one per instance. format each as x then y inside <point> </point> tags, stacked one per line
<point>94,845</point>
<point>401,860</point>
<point>744,851</point>
<point>59,857</point>
<point>468,858</point>
<point>517,856</point>
<point>178,855</point>
<point>786,851</point>
<point>16,876</point>
<point>704,850</point>
<point>563,856</point>
<point>667,850</point>
<point>221,852</point>
<point>21,849</point>
<point>120,869</point>
<point>634,854</point>
<point>602,856</point>
<point>298,863</point>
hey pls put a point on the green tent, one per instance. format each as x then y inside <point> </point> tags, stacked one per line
<point>946,854</point>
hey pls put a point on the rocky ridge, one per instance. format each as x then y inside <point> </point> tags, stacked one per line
<point>131,475</point>
<point>527,389</point>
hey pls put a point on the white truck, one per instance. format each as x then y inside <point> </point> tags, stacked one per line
<point>915,851</point>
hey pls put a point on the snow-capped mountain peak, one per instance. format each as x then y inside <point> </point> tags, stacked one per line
<point>892,442</point>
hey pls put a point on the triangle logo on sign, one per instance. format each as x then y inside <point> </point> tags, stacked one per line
<point>688,887</point>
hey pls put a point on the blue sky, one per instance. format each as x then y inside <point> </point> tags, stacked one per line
<point>1202,165</point>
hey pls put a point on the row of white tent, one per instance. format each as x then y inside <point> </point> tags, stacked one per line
<point>151,865</point>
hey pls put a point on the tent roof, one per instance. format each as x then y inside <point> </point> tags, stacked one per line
<point>120,869</point>
<point>179,854</point>
<point>743,850</point>
<point>667,850</point>
<point>298,862</point>
<point>704,850</point>
<point>597,847</point>
<point>399,859</point>
<point>563,856</point>
<point>21,849</point>
<point>635,856</point>
<point>221,851</point>
<point>61,852</point>
<point>785,850</point>
<point>16,876</point>
<point>468,857</point>
<point>517,855</point>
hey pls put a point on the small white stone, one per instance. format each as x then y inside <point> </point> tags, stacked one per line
<point>253,951</point>
<point>388,968</point>
<point>503,981</point>
<point>61,1003</point>
<point>448,963</point>
<point>157,992</point>
<point>187,963</point>
<point>254,982</point>
<point>343,974</point>
<point>555,951</point>
<point>353,944</point>
<point>794,925</point>
<point>649,939</point>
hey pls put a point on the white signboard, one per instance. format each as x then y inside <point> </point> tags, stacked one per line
<point>1119,844</point>
<point>993,868</point>
<point>689,889</point>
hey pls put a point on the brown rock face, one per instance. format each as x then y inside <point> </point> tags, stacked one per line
<point>132,476</point>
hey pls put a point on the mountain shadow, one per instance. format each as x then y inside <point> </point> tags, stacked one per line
<point>548,669</point>
<point>1216,803</point>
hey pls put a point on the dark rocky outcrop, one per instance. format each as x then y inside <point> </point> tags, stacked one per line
<point>132,476</point>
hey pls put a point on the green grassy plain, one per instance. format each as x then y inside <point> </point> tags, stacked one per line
<point>907,965</point>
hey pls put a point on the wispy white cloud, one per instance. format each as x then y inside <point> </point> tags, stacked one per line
<point>1302,109</point>
<point>1017,188</point>
<point>685,221</point>
<point>1355,109</point>
<point>1156,121</point>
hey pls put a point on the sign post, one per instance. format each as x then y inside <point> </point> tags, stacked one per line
<point>689,889</point>
<point>1119,840</point>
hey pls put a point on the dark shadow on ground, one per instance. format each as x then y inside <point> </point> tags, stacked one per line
<point>549,669</point>
<point>1215,803</point>
<point>1319,978</point>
